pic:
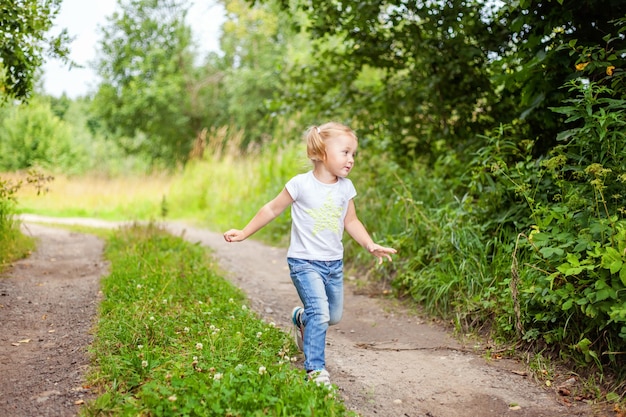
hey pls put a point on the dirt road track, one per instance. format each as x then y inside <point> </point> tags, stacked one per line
<point>386,361</point>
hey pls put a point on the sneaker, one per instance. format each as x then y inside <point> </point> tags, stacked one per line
<point>321,377</point>
<point>296,318</point>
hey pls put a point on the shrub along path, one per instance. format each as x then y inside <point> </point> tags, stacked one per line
<point>386,361</point>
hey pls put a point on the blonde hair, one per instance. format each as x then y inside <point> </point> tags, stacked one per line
<point>317,135</point>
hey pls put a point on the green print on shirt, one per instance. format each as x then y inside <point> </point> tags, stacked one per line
<point>326,216</point>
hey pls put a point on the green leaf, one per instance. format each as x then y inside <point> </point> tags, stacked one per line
<point>613,397</point>
<point>612,260</point>
<point>567,304</point>
<point>549,251</point>
<point>570,270</point>
<point>603,294</point>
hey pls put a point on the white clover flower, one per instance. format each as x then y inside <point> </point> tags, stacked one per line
<point>217,376</point>
<point>138,286</point>
<point>262,370</point>
<point>244,307</point>
<point>212,327</point>
<point>199,346</point>
<point>186,329</point>
<point>152,318</point>
<point>139,346</point>
<point>172,398</point>
<point>164,301</point>
<point>144,364</point>
<point>259,334</point>
<point>195,358</point>
<point>272,324</point>
<point>230,300</point>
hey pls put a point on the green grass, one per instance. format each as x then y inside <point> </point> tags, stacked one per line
<point>174,338</point>
<point>13,244</point>
<point>225,188</point>
<point>130,197</point>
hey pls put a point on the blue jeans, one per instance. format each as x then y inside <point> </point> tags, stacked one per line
<point>320,287</point>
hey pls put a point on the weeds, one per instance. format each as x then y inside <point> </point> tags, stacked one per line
<point>13,244</point>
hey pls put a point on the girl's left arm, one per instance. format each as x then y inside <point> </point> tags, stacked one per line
<point>355,228</point>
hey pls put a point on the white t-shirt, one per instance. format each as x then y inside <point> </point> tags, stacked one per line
<point>317,215</point>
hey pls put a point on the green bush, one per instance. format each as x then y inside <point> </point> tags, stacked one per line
<point>32,136</point>
<point>13,244</point>
<point>566,212</point>
<point>580,240</point>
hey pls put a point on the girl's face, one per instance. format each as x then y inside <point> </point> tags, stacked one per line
<point>340,152</point>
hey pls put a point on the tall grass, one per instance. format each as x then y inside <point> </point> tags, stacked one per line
<point>13,244</point>
<point>445,263</point>
<point>129,197</point>
<point>226,186</point>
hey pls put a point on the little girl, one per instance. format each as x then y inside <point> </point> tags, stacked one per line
<point>322,206</point>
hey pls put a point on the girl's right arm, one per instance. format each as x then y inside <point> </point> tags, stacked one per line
<point>266,214</point>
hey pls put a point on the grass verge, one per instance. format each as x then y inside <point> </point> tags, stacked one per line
<point>174,338</point>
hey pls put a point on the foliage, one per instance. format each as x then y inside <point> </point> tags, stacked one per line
<point>570,211</point>
<point>32,136</point>
<point>155,98</point>
<point>193,347</point>
<point>413,72</point>
<point>254,42</point>
<point>604,63</point>
<point>13,244</point>
<point>581,238</point>
<point>242,181</point>
<point>147,69</point>
<point>445,262</point>
<point>88,133</point>
<point>534,59</point>
<point>25,40</point>
<point>431,77</point>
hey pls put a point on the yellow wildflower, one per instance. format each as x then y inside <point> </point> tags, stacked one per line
<point>581,66</point>
<point>609,70</point>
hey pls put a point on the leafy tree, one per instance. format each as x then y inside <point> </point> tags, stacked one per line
<point>434,75</point>
<point>254,43</point>
<point>412,71</point>
<point>32,136</point>
<point>25,41</point>
<point>537,56</point>
<point>146,64</point>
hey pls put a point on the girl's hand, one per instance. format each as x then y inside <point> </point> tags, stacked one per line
<point>381,252</point>
<point>234,235</point>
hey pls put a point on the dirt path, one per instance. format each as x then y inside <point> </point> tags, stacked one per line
<point>47,306</point>
<point>386,361</point>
